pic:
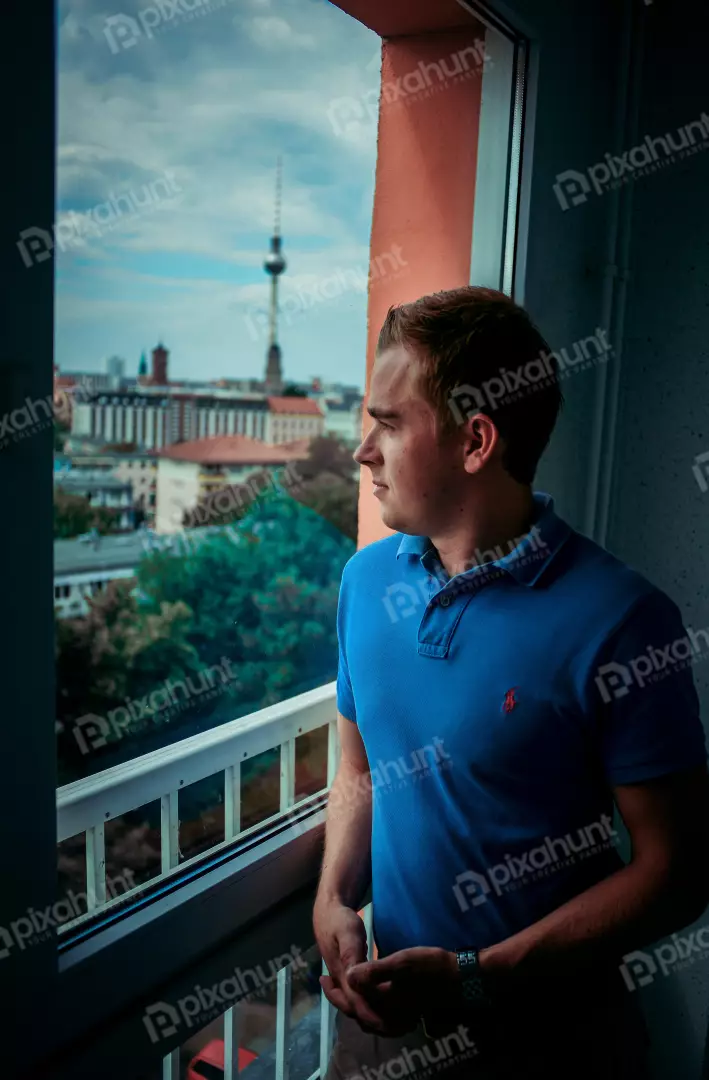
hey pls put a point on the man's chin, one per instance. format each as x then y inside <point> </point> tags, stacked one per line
<point>392,519</point>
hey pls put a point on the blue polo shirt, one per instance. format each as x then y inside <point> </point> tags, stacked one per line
<point>498,709</point>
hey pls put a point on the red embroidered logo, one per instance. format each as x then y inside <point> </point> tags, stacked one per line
<point>510,700</point>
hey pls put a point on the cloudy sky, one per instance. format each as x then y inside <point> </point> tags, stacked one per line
<point>170,126</point>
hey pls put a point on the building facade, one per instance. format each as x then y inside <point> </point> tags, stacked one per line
<point>139,470</point>
<point>106,492</point>
<point>83,568</point>
<point>189,473</point>
<point>153,420</point>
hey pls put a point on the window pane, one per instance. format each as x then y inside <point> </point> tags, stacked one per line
<point>213,263</point>
<point>201,814</point>
<point>260,788</point>
<point>311,762</point>
<point>212,242</point>
<point>252,1024</point>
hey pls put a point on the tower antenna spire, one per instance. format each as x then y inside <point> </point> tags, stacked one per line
<point>274,266</point>
<point>279,195</point>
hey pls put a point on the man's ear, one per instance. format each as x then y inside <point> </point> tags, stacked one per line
<point>480,437</point>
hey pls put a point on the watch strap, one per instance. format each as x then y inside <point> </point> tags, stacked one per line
<point>473,984</point>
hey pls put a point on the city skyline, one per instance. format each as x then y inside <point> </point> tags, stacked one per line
<point>192,123</point>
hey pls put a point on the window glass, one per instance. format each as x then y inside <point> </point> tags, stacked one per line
<point>215,179</point>
<point>197,565</point>
<point>248,1028</point>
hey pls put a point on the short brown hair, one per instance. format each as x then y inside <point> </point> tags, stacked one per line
<point>465,339</point>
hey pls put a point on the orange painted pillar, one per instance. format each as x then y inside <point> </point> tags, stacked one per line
<point>422,223</point>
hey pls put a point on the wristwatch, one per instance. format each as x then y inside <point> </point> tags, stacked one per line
<point>474,987</point>
<point>475,993</point>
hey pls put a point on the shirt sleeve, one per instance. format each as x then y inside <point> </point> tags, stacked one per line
<point>345,696</point>
<point>645,693</point>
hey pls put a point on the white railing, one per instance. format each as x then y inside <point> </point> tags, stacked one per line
<point>86,805</point>
<point>171,1061</point>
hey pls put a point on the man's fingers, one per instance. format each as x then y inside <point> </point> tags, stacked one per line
<point>374,972</point>
<point>335,996</point>
<point>353,1005</point>
<point>367,1015</point>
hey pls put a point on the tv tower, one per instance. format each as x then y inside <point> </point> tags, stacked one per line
<point>274,265</point>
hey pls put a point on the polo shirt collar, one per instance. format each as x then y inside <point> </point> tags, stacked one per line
<point>528,560</point>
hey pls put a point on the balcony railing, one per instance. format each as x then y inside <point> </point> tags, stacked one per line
<point>85,806</point>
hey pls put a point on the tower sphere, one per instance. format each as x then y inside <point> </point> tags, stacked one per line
<point>274,263</point>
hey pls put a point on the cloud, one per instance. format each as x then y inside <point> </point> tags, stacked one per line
<point>214,101</point>
<point>273,32</point>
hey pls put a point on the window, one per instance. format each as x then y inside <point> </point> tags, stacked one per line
<point>227,617</point>
<point>230,615</point>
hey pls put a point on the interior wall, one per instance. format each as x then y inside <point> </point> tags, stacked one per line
<point>659,494</point>
<point>659,512</point>
<point>584,101</point>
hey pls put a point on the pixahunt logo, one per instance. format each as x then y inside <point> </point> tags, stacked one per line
<point>241,496</point>
<point>389,266</point>
<point>573,188</point>
<point>72,229</point>
<point>402,599</point>
<point>162,1020</point>
<point>347,114</point>
<point>640,968</point>
<point>701,471</point>
<point>388,776</point>
<point>92,731</point>
<point>188,542</point>
<point>472,888</point>
<point>615,680</point>
<point>37,926</point>
<point>425,1060</point>
<point>124,31</point>
<point>513,384</point>
<point>26,420</point>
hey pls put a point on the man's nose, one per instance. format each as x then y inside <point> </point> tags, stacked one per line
<point>363,451</point>
<point>367,452</point>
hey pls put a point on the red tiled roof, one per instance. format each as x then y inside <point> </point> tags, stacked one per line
<point>234,450</point>
<point>299,447</point>
<point>299,406</point>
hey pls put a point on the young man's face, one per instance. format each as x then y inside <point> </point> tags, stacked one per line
<point>418,474</point>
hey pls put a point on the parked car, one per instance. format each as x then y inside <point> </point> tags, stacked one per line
<point>208,1064</point>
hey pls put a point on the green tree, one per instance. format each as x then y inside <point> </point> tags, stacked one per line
<point>325,481</point>
<point>328,454</point>
<point>113,653</point>
<point>333,498</point>
<point>74,514</point>
<point>261,593</point>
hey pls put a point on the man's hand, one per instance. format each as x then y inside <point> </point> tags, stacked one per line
<point>342,940</point>
<point>410,983</point>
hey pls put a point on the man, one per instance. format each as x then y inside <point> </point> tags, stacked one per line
<point>503,683</point>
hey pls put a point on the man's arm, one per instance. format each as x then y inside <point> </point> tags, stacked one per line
<point>345,875</point>
<point>346,865</point>
<point>663,888</point>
